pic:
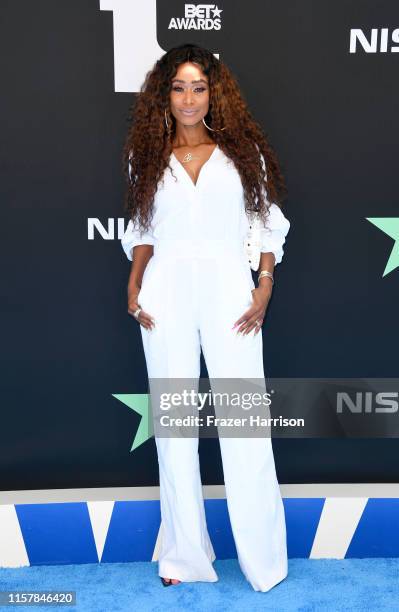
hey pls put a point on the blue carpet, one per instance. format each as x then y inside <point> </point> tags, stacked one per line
<point>363,585</point>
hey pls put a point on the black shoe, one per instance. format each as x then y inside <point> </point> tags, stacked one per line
<point>170,583</point>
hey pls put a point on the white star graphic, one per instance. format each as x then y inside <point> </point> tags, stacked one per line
<point>216,12</point>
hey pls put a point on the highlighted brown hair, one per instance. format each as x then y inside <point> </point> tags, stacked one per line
<point>148,145</point>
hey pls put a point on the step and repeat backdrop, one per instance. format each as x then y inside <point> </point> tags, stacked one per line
<point>321,77</point>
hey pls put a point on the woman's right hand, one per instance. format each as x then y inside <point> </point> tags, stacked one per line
<point>145,319</point>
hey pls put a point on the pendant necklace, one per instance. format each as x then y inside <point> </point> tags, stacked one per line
<point>188,157</point>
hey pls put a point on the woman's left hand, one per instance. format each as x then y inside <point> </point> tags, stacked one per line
<point>253,317</point>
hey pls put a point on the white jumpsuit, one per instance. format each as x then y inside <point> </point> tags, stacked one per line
<point>196,285</point>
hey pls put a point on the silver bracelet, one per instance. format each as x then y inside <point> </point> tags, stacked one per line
<point>266,273</point>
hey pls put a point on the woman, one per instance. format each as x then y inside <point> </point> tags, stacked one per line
<point>196,166</point>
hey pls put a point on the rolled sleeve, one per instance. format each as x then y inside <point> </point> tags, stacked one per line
<point>133,237</point>
<point>273,234</point>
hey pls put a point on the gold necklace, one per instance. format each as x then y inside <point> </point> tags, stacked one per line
<point>188,157</point>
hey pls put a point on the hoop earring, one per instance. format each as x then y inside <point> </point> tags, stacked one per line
<point>166,120</point>
<point>209,128</point>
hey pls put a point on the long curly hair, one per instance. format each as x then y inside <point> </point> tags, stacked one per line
<point>148,145</point>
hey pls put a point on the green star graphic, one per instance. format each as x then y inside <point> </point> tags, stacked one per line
<point>389,225</point>
<point>139,402</point>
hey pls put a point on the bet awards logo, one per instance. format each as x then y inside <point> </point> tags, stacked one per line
<point>197,17</point>
<point>136,45</point>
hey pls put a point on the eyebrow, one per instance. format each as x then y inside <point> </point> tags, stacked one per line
<point>181,81</point>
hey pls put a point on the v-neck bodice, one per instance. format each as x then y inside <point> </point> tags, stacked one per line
<point>195,219</point>
<point>179,164</point>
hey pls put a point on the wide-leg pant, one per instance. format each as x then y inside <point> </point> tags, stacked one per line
<point>195,299</point>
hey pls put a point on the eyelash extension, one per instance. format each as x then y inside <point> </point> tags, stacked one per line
<point>177,87</point>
